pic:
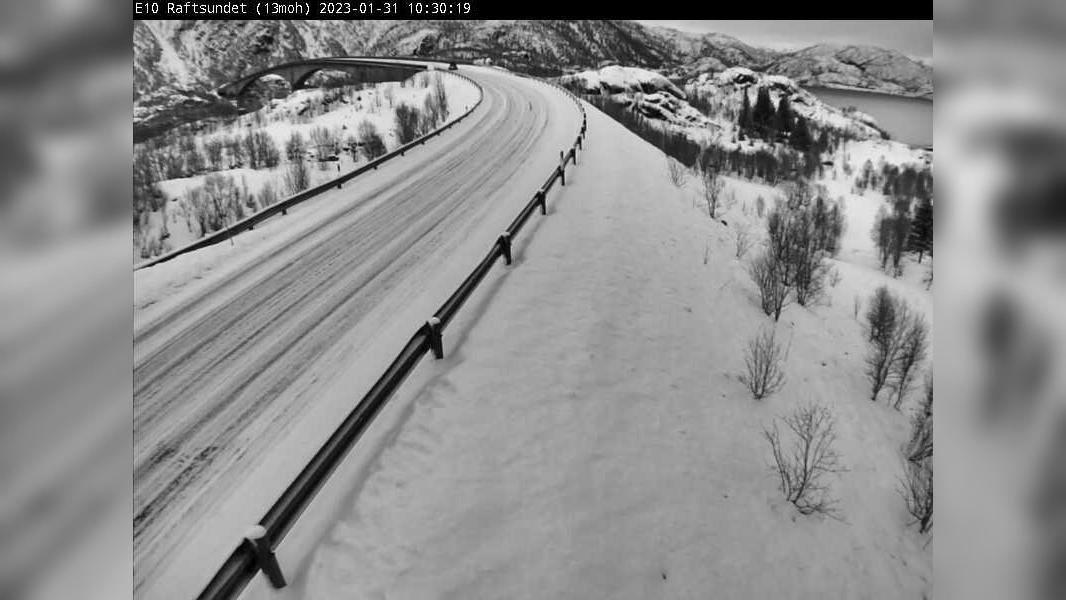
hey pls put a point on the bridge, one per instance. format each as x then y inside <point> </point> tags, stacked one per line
<point>361,69</point>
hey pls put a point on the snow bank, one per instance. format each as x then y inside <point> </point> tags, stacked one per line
<point>586,435</point>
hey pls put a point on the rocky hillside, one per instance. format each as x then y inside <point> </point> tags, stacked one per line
<point>861,67</point>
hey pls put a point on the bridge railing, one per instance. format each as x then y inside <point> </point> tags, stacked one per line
<point>282,206</point>
<point>256,552</point>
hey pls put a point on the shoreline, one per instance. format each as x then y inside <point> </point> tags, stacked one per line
<point>843,88</point>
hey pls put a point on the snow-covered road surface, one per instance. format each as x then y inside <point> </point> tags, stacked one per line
<point>586,435</point>
<point>252,347</point>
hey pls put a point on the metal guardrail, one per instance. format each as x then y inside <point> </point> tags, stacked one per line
<point>256,551</point>
<point>283,206</point>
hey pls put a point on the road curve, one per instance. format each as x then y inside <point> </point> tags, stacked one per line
<point>223,375</point>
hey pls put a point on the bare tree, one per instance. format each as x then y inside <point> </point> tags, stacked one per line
<point>912,351</point>
<point>213,148</point>
<point>409,123</point>
<point>881,312</point>
<point>373,144</point>
<point>916,487</point>
<point>712,190</point>
<point>920,446</point>
<point>764,360</point>
<point>678,172</point>
<point>885,346</point>
<point>268,195</point>
<point>765,271</point>
<point>295,147</point>
<point>743,239</point>
<point>801,467</point>
<point>297,178</point>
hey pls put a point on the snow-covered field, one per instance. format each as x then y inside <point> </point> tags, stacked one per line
<point>586,435</point>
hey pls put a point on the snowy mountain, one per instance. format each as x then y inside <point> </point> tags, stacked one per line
<point>177,64</point>
<point>861,67</point>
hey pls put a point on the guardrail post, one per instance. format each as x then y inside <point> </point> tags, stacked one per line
<point>436,340</point>
<point>542,199</point>
<point>504,242</point>
<point>562,167</point>
<point>264,555</point>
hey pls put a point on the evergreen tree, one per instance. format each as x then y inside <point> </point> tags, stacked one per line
<point>921,235</point>
<point>745,121</point>
<point>783,118</point>
<point>801,135</point>
<point>763,114</point>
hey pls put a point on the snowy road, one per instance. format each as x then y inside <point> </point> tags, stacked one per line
<point>230,362</point>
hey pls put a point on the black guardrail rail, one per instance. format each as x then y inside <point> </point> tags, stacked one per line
<point>256,551</point>
<point>282,206</point>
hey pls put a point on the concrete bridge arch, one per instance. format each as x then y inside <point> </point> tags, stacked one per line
<point>298,72</point>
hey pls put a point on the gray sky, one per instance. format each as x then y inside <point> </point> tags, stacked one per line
<point>913,38</point>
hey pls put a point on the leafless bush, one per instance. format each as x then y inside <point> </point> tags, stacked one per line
<point>913,348</point>
<point>712,190</point>
<point>190,152</point>
<point>801,466</point>
<point>677,171</point>
<point>441,95</point>
<point>373,144</point>
<point>894,328</point>
<point>297,177</point>
<point>268,195</point>
<point>916,487</point>
<point>325,142</point>
<point>743,240</point>
<point>295,147</point>
<point>764,362</point>
<point>881,312</point>
<point>213,149</point>
<point>809,274</point>
<point>765,271</point>
<point>260,150</point>
<point>884,348</point>
<point>798,234</point>
<point>920,445</point>
<point>409,123</point>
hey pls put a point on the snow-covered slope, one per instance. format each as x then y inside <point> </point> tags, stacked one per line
<point>729,85</point>
<point>655,96</point>
<point>586,435</point>
<point>615,79</point>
